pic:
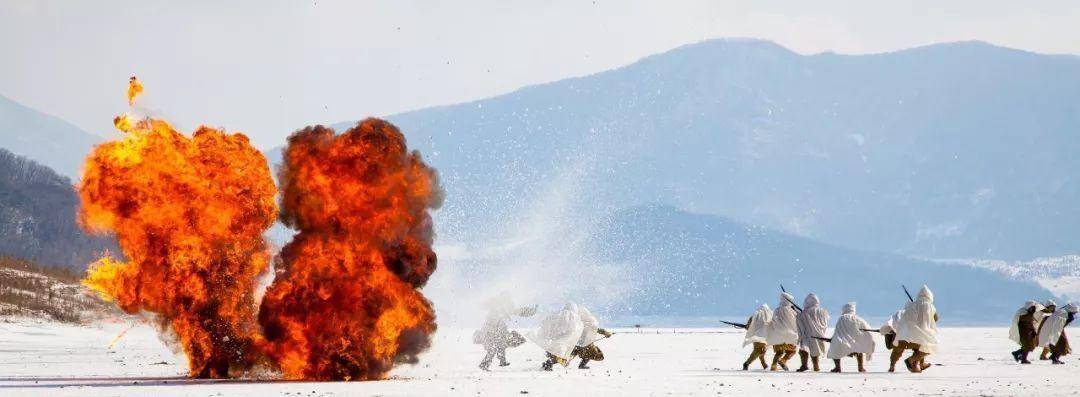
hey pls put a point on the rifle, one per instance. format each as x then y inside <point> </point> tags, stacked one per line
<point>870,330</point>
<point>821,338</point>
<point>908,293</point>
<point>736,325</point>
<point>789,300</point>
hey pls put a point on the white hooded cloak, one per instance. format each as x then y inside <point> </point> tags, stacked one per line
<point>849,337</point>
<point>1040,314</point>
<point>1055,325</point>
<point>783,329</point>
<point>560,331</point>
<point>917,324</point>
<point>758,329</point>
<point>589,327</point>
<point>1014,329</point>
<point>813,321</point>
<point>892,323</point>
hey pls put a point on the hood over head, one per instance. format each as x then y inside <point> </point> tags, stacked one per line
<point>811,300</point>
<point>849,308</point>
<point>925,293</point>
<point>786,299</point>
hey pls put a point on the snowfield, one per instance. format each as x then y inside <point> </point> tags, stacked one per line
<point>49,359</point>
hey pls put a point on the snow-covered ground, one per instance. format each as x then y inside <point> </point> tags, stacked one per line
<point>49,359</point>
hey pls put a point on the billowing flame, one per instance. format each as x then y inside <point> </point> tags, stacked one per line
<point>189,214</point>
<point>133,91</point>
<point>345,303</point>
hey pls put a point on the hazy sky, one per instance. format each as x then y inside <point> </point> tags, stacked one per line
<point>267,68</point>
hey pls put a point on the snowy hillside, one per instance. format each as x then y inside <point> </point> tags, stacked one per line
<point>31,293</point>
<point>950,150</point>
<point>694,265</point>
<point>1061,275</point>
<point>37,216</point>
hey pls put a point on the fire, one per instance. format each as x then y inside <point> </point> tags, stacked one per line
<point>189,214</point>
<point>346,302</point>
<point>134,89</point>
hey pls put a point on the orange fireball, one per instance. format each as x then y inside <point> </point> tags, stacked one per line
<point>189,214</point>
<point>346,302</point>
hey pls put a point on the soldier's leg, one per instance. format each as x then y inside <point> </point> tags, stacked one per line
<point>787,356</point>
<point>762,349</point>
<point>486,362</point>
<point>814,359</point>
<point>803,357</point>
<point>778,352</point>
<point>836,365</point>
<point>897,352</point>
<point>859,359</point>
<point>550,362</point>
<point>1045,352</point>
<point>749,360</point>
<point>502,357</point>
<point>916,361</point>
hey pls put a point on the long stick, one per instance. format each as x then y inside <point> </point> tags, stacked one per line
<point>793,304</point>
<point>121,335</point>
<point>870,330</point>
<point>820,338</point>
<point>736,325</point>
<point>908,293</point>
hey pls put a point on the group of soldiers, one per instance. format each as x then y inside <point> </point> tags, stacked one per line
<point>1036,325</point>
<point>790,329</point>
<point>564,334</point>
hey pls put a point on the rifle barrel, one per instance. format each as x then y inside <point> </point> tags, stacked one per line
<point>907,293</point>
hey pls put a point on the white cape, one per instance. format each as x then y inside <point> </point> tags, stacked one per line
<point>892,323</point>
<point>1054,325</point>
<point>1014,329</point>
<point>849,336</point>
<point>813,321</point>
<point>589,328</point>
<point>559,332</point>
<point>783,328</point>
<point>917,324</point>
<point>758,330</point>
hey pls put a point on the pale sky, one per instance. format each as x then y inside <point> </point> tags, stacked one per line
<point>266,68</point>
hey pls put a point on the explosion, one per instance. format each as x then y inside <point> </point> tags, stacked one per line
<point>189,214</point>
<point>345,303</point>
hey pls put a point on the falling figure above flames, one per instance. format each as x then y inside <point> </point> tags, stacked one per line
<point>190,213</point>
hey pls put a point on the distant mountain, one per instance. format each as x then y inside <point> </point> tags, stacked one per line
<point>950,150</point>
<point>1058,274</point>
<point>37,216</point>
<point>692,265</point>
<point>44,138</point>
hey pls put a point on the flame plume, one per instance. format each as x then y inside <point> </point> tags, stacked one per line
<point>134,89</point>
<point>189,214</point>
<point>345,303</point>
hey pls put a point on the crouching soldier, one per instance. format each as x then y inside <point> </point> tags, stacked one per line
<point>757,334</point>
<point>495,335</point>
<point>1022,331</point>
<point>917,332</point>
<point>783,334</point>
<point>567,333</point>
<point>850,338</point>
<point>1052,334</point>
<point>813,323</point>
<point>1045,312</point>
